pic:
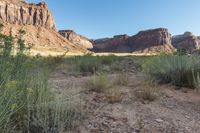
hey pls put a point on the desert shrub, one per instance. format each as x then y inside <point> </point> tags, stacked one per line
<point>149,90</point>
<point>181,52</point>
<point>122,79</point>
<point>116,67</point>
<point>107,60</point>
<point>27,104</point>
<point>52,62</point>
<point>196,81</point>
<point>175,69</point>
<point>88,64</point>
<point>114,95</point>
<point>98,82</point>
<point>92,64</point>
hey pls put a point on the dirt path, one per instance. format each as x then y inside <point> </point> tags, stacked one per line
<point>174,111</point>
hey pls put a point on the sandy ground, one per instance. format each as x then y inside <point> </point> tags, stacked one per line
<point>175,110</point>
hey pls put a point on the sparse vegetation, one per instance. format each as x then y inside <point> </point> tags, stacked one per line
<point>101,83</point>
<point>114,94</point>
<point>180,70</point>
<point>149,90</point>
<point>98,82</point>
<point>27,102</point>
<point>122,79</point>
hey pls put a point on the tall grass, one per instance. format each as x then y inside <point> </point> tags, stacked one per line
<point>27,104</point>
<point>180,70</point>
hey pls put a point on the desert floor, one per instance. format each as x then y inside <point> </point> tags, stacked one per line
<point>174,110</point>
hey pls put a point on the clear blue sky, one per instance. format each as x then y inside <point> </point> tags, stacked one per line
<point>105,18</point>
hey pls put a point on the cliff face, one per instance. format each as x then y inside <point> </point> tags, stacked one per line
<point>22,13</point>
<point>76,39</point>
<point>187,41</point>
<point>39,26</point>
<point>150,41</point>
<point>156,40</point>
<point>115,44</point>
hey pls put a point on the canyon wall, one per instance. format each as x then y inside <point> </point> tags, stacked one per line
<point>115,44</point>
<point>149,41</point>
<point>22,13</point>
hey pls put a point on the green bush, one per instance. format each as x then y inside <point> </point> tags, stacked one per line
<point>181,70</point>
<point>27,104</point>
<point>93,64</point>
<point>89,65</point>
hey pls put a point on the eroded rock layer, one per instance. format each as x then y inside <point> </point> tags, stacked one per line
<point>22,13</point>
<point>187,41</point>
<point>115,44</point>
<point>149,41</point>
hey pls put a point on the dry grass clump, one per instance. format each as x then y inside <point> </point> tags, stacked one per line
<point>98,82</point>
<point>122,79</point>
<point>114,95</point>
<point>149,90</point>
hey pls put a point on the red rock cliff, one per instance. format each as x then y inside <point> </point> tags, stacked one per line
<point>22,13</point>
<point>154,40</point>
<point>187,41</point>
<point>149,41</point>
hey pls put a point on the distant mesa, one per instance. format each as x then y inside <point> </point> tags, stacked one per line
<point>149,41</point>
<point>115,44</point>
<point>186,41</point>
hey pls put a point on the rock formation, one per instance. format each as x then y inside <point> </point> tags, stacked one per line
<point>76,39</point>
<point>115,44</point>
<point>150,41</point>
<point>22,13</point>
<point>187,41</point>
<point>39,26</point>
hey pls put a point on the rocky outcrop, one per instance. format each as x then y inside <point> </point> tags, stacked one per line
<point>115,44</point>
<point>149,41</point>
<point>76,39</point>
<point>187,41</point>
<point>38,24</point>
<point>43,41</point>
<point>22,13</point>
